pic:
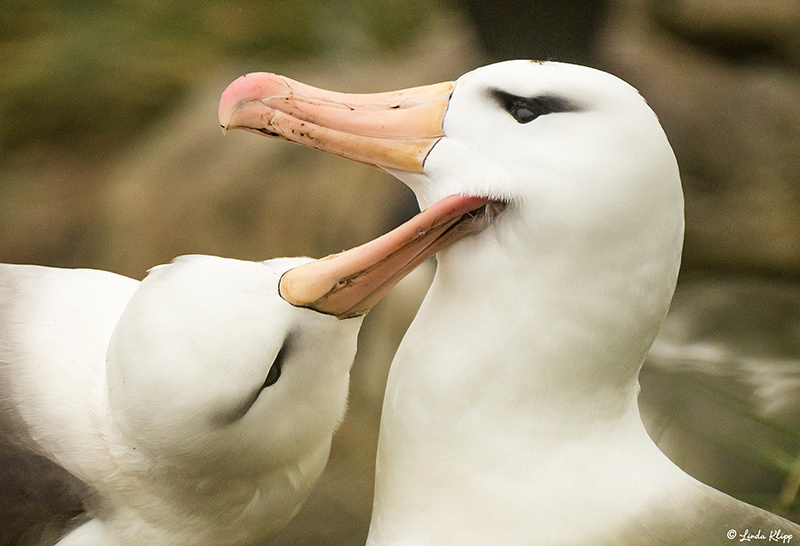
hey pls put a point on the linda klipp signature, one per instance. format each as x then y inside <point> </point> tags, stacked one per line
<point>748,536</point>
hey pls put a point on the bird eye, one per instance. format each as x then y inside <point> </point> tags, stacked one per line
<point>522,113</point>
<point>274,371</point>
<point>232,414</point>
<point>527,109</point>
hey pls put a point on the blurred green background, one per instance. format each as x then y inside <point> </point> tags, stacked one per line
<point>111,157</point>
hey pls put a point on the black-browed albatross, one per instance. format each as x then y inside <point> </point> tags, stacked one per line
<point>510,415</point>
<point>198,405</point>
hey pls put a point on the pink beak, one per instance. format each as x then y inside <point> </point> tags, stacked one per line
<point>348,284</point>
<point>394,130</point>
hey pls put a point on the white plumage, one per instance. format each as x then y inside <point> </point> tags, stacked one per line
<point>511,412</point>
<point>155,394</point>
<point>534,332</point>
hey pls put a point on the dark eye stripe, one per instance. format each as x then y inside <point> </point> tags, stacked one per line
<point>527,109</point>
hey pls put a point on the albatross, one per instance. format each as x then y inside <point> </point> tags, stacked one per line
<point>199,404</point>
<point>510,414</point>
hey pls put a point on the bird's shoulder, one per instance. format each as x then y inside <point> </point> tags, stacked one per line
<point>54,330</point>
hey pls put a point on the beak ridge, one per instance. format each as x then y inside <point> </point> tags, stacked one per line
<point>396,129</point>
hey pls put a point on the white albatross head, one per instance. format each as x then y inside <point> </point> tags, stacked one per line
<point>208,364</point>
<point>588,182</point>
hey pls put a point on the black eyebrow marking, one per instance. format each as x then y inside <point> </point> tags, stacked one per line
<point>526,109</point>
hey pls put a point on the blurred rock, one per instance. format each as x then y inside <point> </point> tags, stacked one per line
<point>86,76</point>
<point>732,115</point>
<point>184,188</point>
<point>743,28</point>
<point>562,30</point>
